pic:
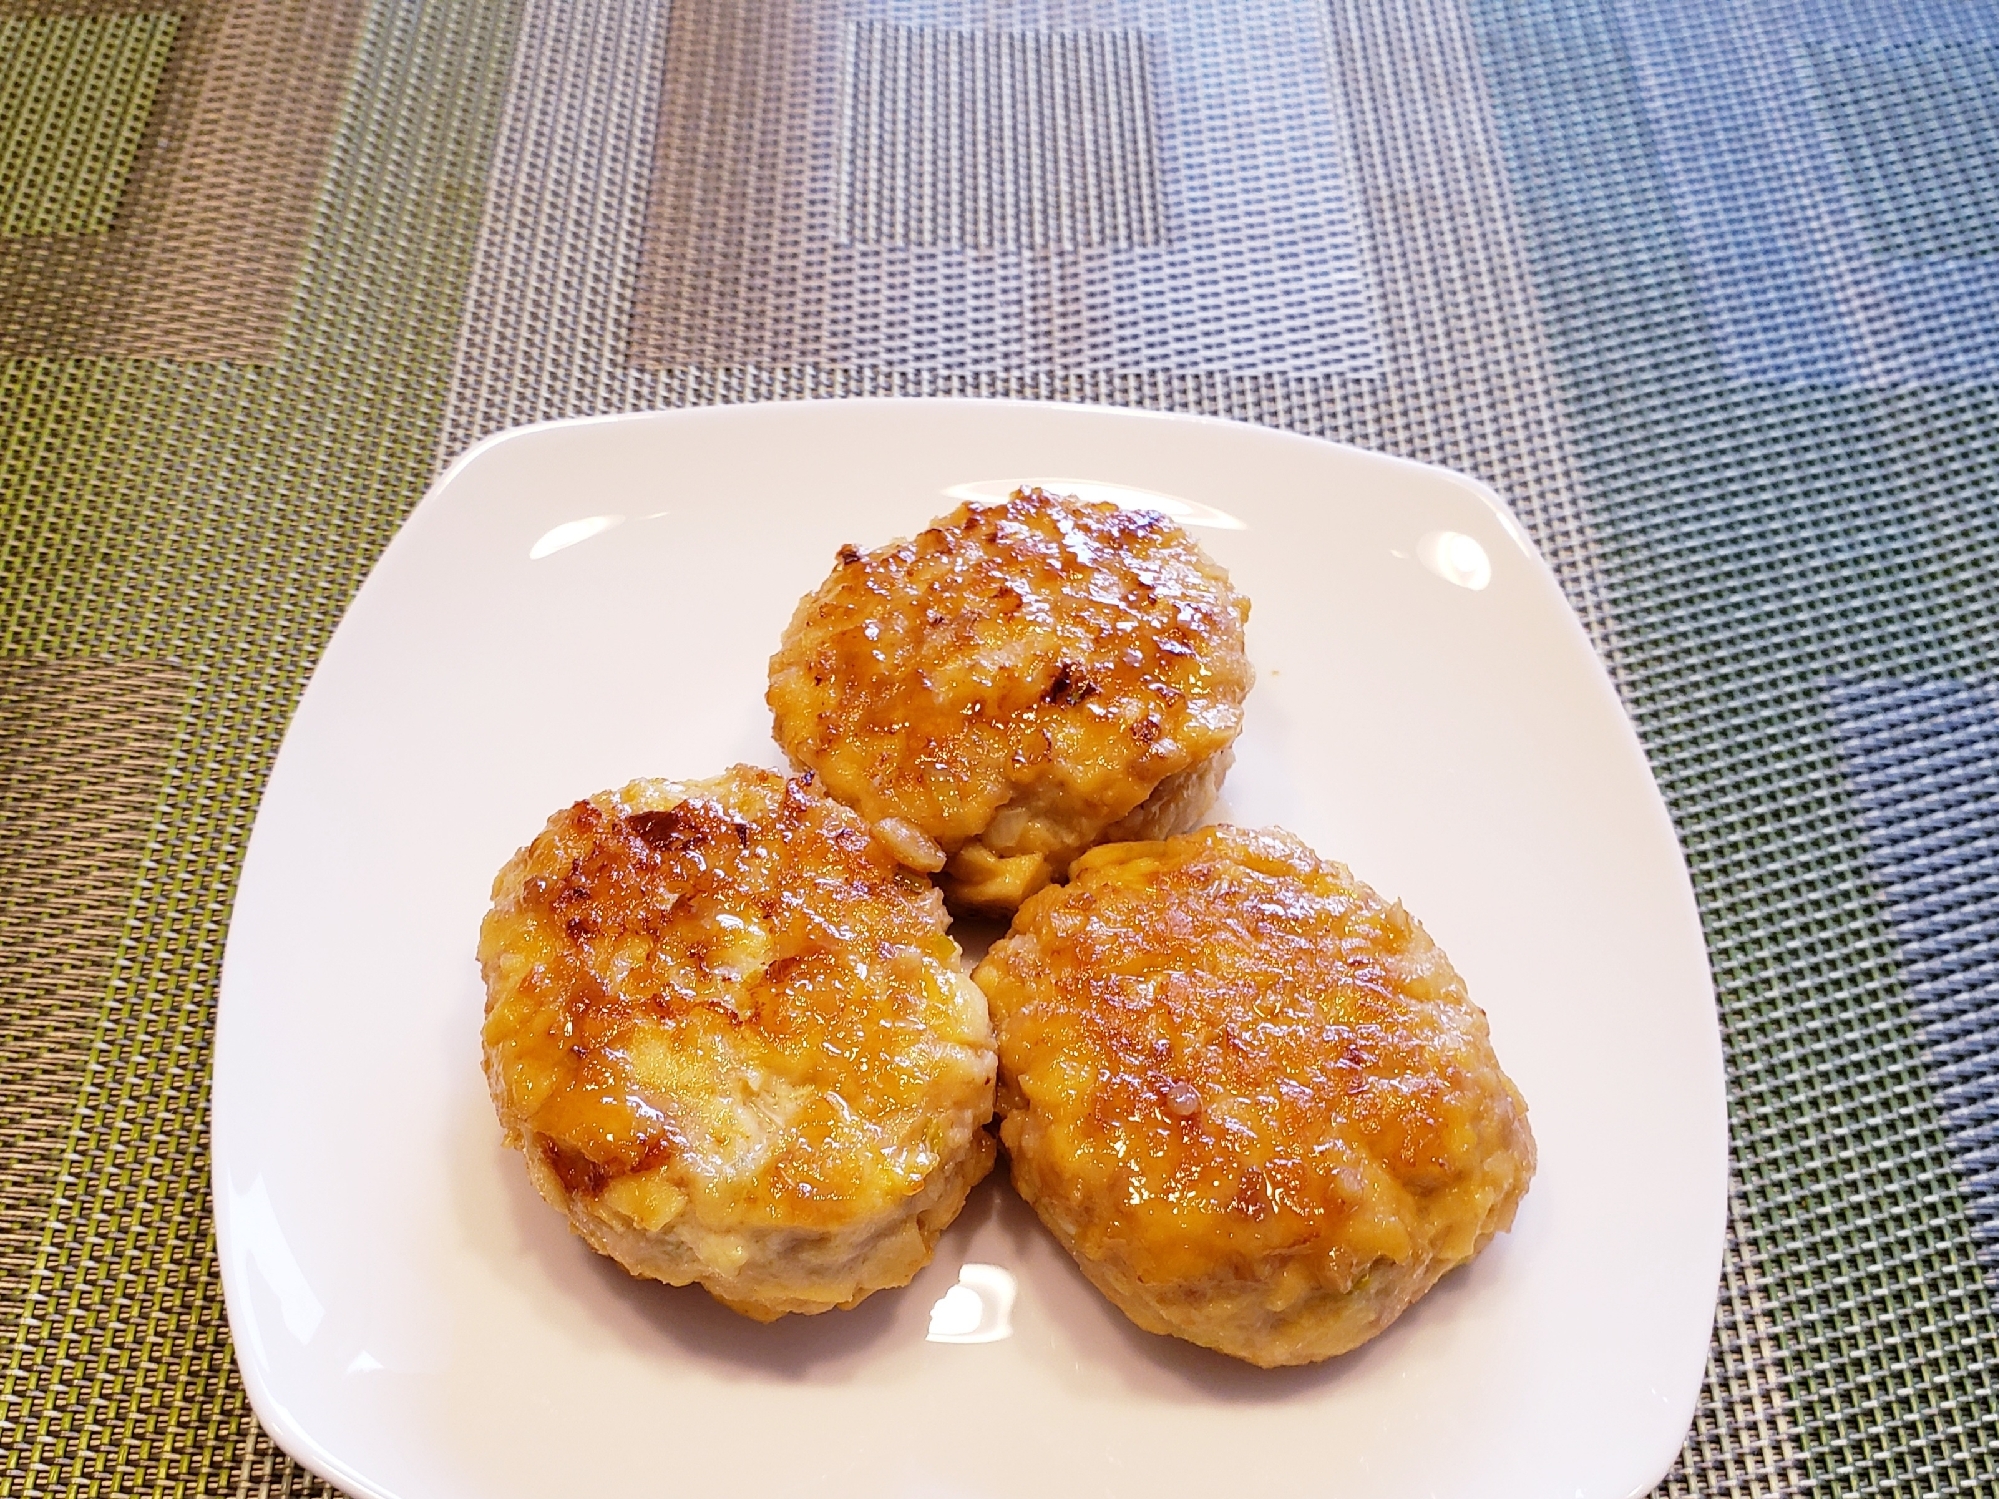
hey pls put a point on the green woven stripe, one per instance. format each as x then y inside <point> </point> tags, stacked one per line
<point>1742,1441</point>
<point>82,756</point>
<point>75,94</point>
<point>216,520</point>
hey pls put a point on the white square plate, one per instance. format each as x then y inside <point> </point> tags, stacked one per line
<point>577,604</point>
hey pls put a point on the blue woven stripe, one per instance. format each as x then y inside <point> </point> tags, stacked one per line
<point>1923,765</point>
<point>1831,164</point>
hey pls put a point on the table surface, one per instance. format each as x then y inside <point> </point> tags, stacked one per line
<point>1710,292</point>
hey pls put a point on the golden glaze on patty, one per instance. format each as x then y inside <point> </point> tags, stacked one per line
<point>1002,690</point>
<point>728,1031</point>
<point>1249,1096</point>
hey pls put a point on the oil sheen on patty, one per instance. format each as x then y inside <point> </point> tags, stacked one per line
<point>727,1029</point>
<point>1016,683</point>
<point>1249,1096</point>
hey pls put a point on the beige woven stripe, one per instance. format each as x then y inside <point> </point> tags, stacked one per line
<point>997,140</point>
<point>989,151</point>
<point>730,242</point>
<point>1742,1443</point>
<point>203,255</point>
<point>83,748</point>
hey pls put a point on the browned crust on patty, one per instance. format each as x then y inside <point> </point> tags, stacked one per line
<point>729,1030</point>
<point>1251,1097</point>
<point>1013,680</point>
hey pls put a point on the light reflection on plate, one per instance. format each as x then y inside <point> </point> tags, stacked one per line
<point>1456,558</point>
<point>978,1309</point>
<point>569,533</point>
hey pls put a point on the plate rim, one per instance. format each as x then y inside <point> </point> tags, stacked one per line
<point>289,1431</point>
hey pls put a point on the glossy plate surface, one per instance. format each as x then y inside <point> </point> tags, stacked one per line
<point>577,604</point>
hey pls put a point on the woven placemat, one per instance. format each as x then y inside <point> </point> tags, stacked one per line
<point>263,269</point>
<point>190,491</point>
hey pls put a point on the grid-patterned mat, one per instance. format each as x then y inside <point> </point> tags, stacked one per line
<point>1709,291</point>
